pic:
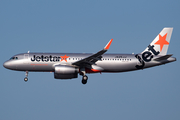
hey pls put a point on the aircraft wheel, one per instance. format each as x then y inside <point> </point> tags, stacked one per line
<point>84,79</point>
<point>25,79</point>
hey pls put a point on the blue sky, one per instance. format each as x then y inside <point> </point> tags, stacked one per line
<point>85,26</point>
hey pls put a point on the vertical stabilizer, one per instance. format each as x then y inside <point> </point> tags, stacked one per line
<point>161,42</point>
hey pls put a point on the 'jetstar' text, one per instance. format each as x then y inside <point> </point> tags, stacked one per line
<point>45,58</point>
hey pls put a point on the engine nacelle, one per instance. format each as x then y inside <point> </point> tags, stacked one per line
<point>65,72</point>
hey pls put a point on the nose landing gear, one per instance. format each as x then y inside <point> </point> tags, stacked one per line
<point>26,78</point>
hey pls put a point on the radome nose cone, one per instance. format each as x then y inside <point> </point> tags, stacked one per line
<point>5,64</point>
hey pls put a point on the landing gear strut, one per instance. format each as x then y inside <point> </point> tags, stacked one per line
<point>26,79</point>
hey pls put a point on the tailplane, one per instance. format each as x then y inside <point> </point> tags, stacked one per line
<point>160,44</point>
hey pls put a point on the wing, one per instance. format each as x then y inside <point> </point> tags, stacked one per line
<point>93,58</point>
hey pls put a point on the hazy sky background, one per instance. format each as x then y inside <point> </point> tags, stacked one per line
<point>85,26</point>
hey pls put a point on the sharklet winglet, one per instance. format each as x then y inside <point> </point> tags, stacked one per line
<point>108,45</point>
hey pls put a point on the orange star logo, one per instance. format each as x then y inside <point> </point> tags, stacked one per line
<point>64,58</point>
<point>162,41</point>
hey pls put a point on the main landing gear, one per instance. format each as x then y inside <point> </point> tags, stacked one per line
<point>26,78</point>
<point>84,77</point>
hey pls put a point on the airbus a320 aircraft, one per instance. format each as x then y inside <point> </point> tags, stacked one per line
<point>69,65</point>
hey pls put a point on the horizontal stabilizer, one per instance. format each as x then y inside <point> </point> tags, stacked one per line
<point>165,57</point>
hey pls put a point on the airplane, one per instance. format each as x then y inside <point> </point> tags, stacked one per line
<point>69,65</point>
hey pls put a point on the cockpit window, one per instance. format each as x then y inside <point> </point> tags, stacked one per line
<point>14,58</point>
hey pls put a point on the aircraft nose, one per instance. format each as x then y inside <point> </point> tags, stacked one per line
<point>10,65</point>
<point>6,65</point>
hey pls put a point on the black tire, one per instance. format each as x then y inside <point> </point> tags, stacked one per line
<point>84,81</point>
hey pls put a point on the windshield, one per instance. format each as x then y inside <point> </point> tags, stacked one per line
<point>13,58</point>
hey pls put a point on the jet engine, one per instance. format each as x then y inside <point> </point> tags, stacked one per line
<point>65,72</point>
